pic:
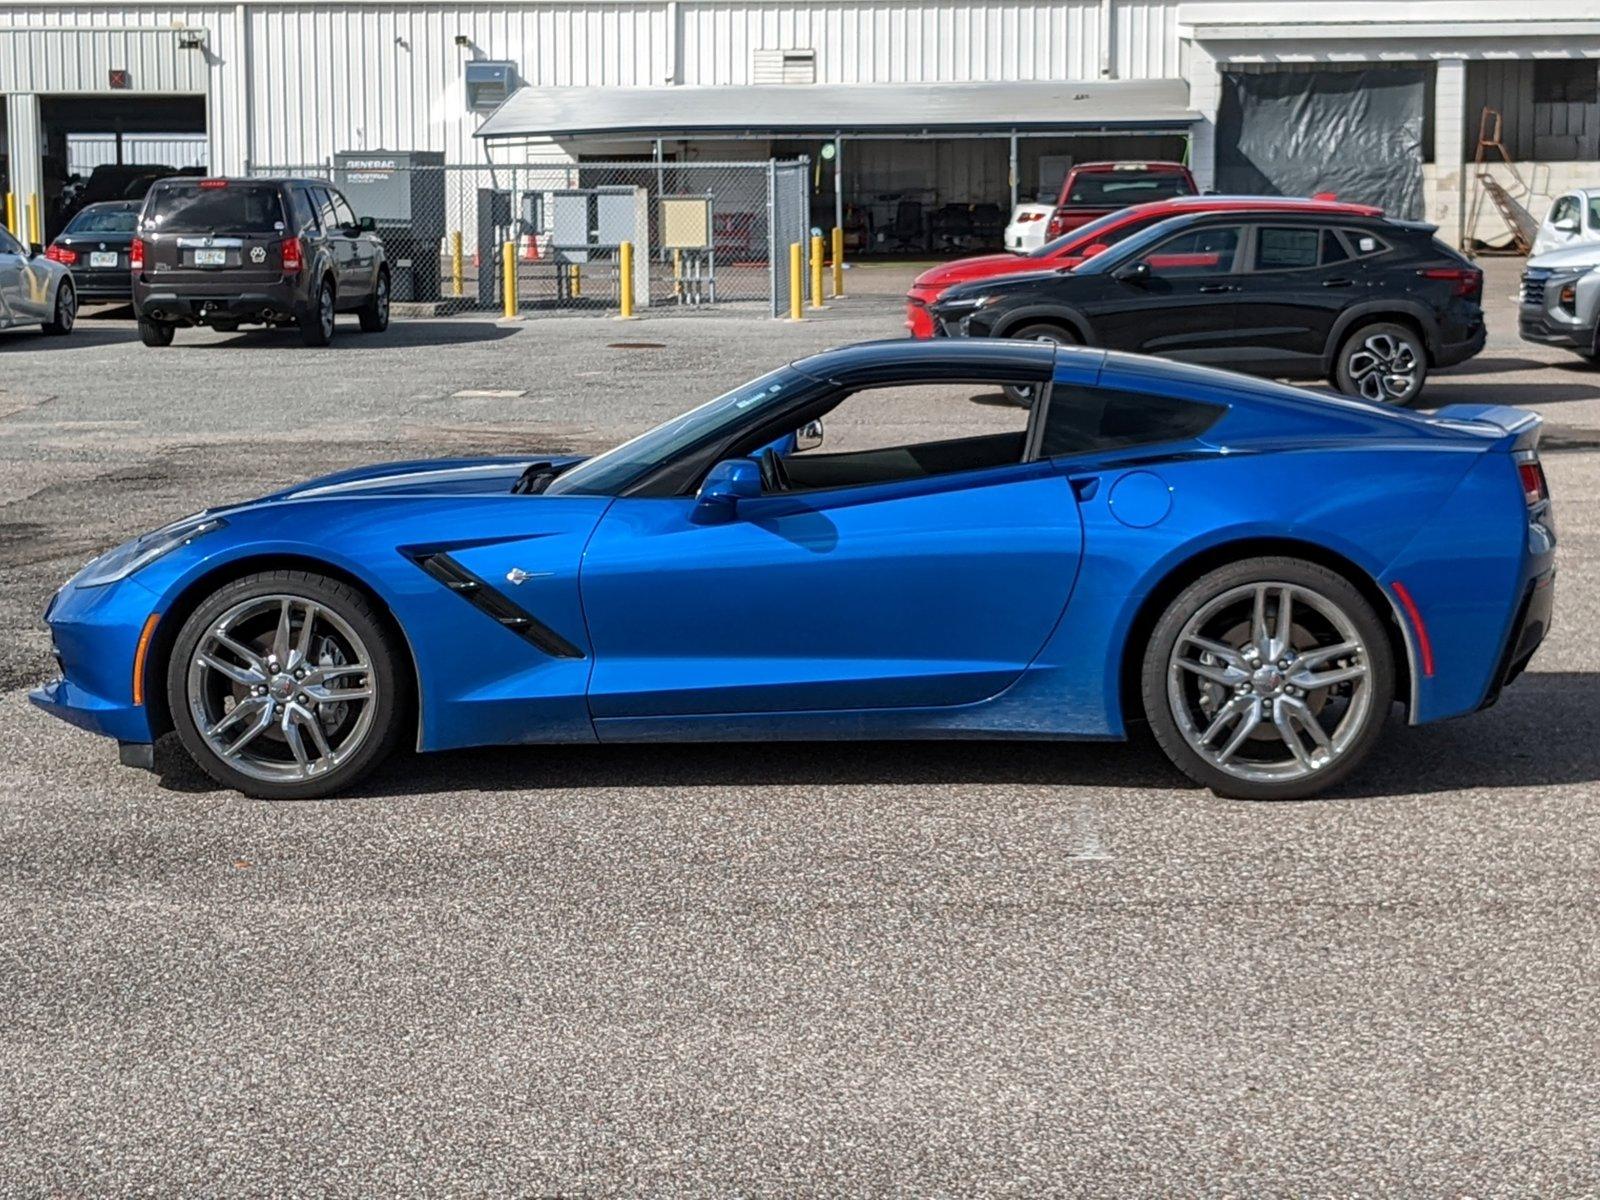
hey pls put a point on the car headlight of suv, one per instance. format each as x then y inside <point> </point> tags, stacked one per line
<point>117,564</point>
<point>965,304</point>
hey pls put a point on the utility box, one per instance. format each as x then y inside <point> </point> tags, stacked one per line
<point>590,224</point>
<point>403,192</point>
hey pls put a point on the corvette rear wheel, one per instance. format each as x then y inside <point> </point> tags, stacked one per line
<point>1268,679</point>
<point>285,685</point>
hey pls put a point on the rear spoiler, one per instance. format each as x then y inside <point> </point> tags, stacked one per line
<point>1518,427</point>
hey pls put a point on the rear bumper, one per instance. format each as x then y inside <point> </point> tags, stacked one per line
<point>1448,354</point>
<point>103,285</point>
<point>919,321</point>
<point>181,306</point>
<point>1527,634</point>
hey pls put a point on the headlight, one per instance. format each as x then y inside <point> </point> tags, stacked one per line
<point>129,557</point>
<point>964,304</point>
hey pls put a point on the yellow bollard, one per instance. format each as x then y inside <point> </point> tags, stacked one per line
<point>796,282</point>
<point>11,213</point>
<point>625,284</point>
<point>838,261</point>
<point>508,267</point>
<point>35,234</point>
<point>577,279</point>
<point>457,272</point>
<point>816,272</point>
<point>677,272</point>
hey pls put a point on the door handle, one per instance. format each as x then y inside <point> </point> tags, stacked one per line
<point>1338,283</point>
<point>1210,288</point>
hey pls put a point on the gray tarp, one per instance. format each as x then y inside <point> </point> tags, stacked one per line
<point>1355,133</point>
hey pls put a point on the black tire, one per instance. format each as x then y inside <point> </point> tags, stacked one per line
<point>1360,368</point>
<point>66,313</point>
<point>155,333</point>
<point>1022,394</point>
<point>316,322</point>
<point>389,678</point>
<point>374,313</point>
<point>1366,722</point>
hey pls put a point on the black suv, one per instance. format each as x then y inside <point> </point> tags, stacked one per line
<point>1368,303</point>
<point>229,252</point>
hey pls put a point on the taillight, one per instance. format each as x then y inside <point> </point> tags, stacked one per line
<point>1468,280</point>
<point>61,255</point>
<point>1058,226</point>
<point>136,255</point>
<point>291,255</point>
<point>212,184</point>
<point>1535,490</point>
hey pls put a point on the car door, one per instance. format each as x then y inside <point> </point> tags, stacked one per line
<point>1182,305</point>
<point>340,252</point>
<point>906,593</point>
<point>11,260</point>
<point>1297,279</point>
<point>28,296</point>
<point>359,252</point>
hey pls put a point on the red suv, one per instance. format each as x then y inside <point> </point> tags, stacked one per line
<point>1070,249</point>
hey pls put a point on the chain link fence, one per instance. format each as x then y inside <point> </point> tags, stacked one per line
<point>704,235</point>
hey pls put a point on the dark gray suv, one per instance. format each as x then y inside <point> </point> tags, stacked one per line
<point>232,252</point>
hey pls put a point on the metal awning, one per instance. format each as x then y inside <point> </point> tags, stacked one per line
<point>826,109</point>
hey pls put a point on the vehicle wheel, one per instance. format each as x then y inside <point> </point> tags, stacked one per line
<point>285,685</point>
<point>316,324</point>
<point>375,312</point>
<point>1382,362</point>
<point>154,333</point>
<point>1023,393</point>
<point>1268,679</point>
<point>66,314</point>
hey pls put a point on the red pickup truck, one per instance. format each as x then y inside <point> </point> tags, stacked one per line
<point>1092,190</point>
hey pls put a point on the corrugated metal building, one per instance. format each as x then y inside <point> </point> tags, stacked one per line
<point>294,81</point>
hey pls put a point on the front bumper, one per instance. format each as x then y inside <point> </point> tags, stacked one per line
<point>95,632</point>
<point>1535,324</point>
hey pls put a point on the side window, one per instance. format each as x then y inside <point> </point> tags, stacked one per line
<point>1207,251</point>
<point>1083,420</point>
<point>1594,212</point>
<point>1565,209</point>
<point>341,210</point>
<point>9,244</point>
<point>882,435</point>
<point>1333,248</point>
<point>1364,243</point>
<point>300,207</point>
<point>330,220</point>
<point>1285,248</point>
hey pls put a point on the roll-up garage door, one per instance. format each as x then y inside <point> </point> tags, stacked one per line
<point>1358,133</point>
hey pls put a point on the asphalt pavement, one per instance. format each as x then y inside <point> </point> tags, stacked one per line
<point>925,969</point>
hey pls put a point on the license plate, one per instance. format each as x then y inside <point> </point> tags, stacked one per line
<point>102,258</point>
<point>210,258</point>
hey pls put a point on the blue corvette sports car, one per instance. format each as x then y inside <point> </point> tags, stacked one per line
<point>1258,572</point>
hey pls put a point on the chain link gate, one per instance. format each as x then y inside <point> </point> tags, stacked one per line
<point>704,235</point>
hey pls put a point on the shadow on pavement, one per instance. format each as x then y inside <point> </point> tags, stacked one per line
<point>1516,744</point>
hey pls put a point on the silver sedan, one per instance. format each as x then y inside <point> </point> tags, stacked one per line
<point>34,290</point>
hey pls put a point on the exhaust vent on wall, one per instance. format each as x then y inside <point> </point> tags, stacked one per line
<point>784,66</point>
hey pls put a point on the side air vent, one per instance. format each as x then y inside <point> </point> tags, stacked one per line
<point>493,603</point>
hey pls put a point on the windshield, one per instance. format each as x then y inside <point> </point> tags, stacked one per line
<point>1126,187</point>
<point>104,220</point>
<point>1131,248</point>
<point>233,207</point>
<point>611,472</point>
<point>1102,229</point>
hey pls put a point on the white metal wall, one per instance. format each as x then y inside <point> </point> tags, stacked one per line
<point>293,81</point>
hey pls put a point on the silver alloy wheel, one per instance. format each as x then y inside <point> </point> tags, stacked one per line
<point>281,688</point>
<point>1384,368</point>
<point>325,309</point>
<point>383,299</point>
<point>66,307</point>
<point>1268,682</point>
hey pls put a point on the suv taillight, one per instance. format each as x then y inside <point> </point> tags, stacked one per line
<point>136,255</point>
<point>291,255</point>
<point>1058,226</point>
<point>1468,280</point>
<point>61,255</point>
<point>1534,488</point>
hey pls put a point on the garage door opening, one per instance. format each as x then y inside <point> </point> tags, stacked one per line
<point>95,149</point>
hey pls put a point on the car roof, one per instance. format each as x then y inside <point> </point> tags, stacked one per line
<point>125,205</point>
<point>1136,164</point>
<point>197,180</point>
<point>954,358</point>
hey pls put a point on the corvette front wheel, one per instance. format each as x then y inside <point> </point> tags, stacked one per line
<point>1268,679</point>
<point>286,686</point>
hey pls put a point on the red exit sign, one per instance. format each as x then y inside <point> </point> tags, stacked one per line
<point>119,78</point>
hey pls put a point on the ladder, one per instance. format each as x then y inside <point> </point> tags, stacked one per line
<point>1517,219</point>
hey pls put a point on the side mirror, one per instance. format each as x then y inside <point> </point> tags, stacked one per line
<point>1095,248</point>
<point>366,224</point>
<point>1138,272</point>
<point>809,436</point>
<point>1566,225</point>
<point>726,484</point>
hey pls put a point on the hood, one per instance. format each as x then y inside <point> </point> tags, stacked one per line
<point>980,267</point>
<point>424,477</point>
<point>1584,254</point>
<point>1012,279</point>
